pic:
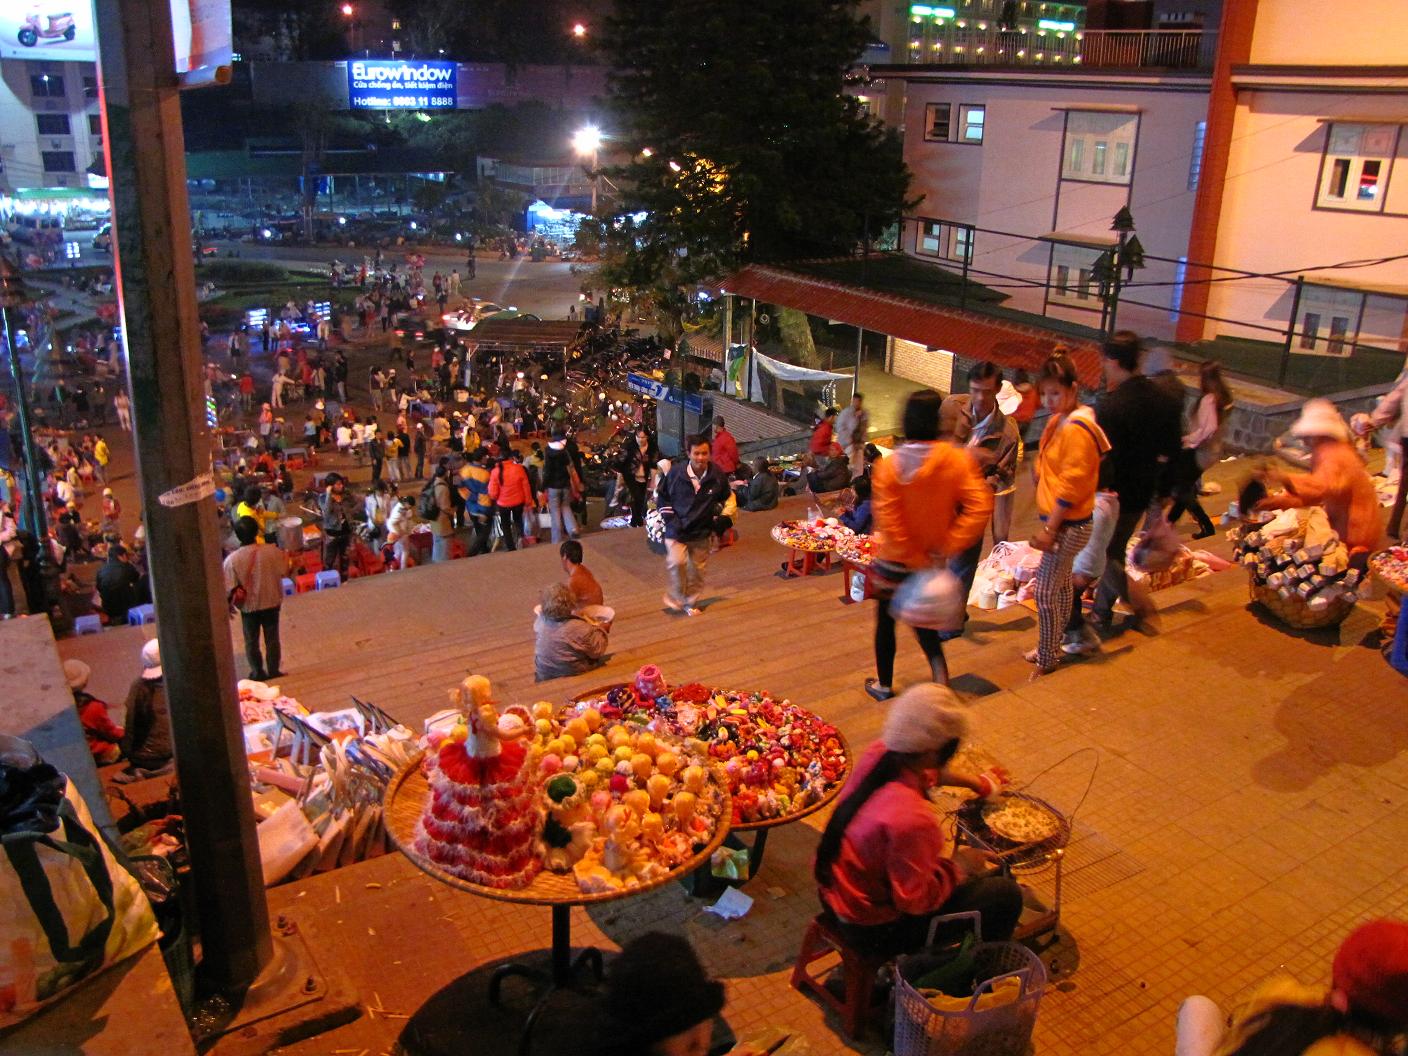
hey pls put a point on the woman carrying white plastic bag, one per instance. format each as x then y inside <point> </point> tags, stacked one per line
<point>930,502</point>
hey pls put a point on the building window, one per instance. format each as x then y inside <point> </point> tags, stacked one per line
<point>1099,146</point>
<point>395,23</point>
<point>1195,162</point>
<point>936,122</point>
<point>46,86</point>
<point>950,241</point>
<point>972,120</point>
<point>1357,166</point>
<point>95,124</point>
<point>1073,276</point>
<point>1309,331</point>
<point>90,87</point>
<point>58,161</point>
<point>52,124</point>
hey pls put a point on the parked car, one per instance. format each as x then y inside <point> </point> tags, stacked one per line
<point>468,318</point>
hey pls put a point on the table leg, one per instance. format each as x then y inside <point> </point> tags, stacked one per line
<point>562,975</point>
<point>755,853</point>
<point>561,946</point>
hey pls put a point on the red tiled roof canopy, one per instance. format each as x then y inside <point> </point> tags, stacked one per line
<point>971,334</point>
<point>524,333</point>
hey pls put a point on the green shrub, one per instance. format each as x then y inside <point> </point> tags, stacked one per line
<point>226,272</point>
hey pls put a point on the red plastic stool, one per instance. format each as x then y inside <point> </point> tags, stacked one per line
<point>857,971</point>
<point>728,538</point>
<point>805,562</point>
<point>306,583</point>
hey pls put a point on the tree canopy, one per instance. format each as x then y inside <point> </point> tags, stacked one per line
<point>742,144</point>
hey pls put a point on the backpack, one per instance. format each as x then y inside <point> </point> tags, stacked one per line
<point>427,508</point>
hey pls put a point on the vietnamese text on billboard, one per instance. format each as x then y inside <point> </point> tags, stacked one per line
<point>390,84</point>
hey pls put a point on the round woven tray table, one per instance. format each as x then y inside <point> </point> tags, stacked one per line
<point>807,540</point>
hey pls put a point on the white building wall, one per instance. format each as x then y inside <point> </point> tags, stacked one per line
<point>1270,220</point>
<point>22,147</point>
<point>1011,182</point>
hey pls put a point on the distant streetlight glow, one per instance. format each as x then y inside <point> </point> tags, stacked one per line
<point>586,140</point>
<point>674,166</point>
<point>579,31</point>
<point>347,10</point>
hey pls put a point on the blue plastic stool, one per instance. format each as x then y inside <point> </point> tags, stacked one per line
<point>287,584</point>
<point>87,625</point>
<point>141,614</point>
<point>327,579</point>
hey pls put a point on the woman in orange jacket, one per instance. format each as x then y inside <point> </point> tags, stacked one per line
<point>929,502</point>
<point>1067,477</point>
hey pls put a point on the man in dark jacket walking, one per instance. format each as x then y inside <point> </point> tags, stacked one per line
<point>689,498</point>
<point>1145,428</point>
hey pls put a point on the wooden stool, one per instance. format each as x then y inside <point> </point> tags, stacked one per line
<point>857,972</point>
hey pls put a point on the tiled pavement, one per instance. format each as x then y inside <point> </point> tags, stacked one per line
<point>1250,802</point>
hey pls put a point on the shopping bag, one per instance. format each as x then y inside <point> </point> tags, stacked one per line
<point>68,909</point>
<point>1156,547</point>
<point>931,599</point>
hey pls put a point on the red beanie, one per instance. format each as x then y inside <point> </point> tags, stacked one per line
<point>1371,970</point>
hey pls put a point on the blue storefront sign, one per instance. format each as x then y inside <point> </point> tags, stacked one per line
<point>662,393</point>
<point>394,84</point>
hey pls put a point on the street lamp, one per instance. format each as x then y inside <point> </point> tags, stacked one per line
<point>12,295</point>
<point>578,30</point>
<point>586,141</point>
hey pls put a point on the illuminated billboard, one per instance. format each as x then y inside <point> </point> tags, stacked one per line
<point>62,31</point>
<point>394,84</point>
<point>56,32</point>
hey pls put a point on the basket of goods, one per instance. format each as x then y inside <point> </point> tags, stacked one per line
<point>818,535</point>
<point>1391,566</point>
<point>1298,568</point>
<point>781,762</point>
<point>548,811</point>
<point>967,998</point>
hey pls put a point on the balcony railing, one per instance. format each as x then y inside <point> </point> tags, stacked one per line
<point>1101,48</point>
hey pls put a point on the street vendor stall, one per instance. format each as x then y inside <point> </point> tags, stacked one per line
<point>781,761</point>
<point>556,810</point>
<point>1298,568</point>
<point>810,543</point>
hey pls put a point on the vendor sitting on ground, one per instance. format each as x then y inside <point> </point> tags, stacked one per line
<point>1364,1013</point>
<point>1338,481</point>
<point>146,740</point>
<point>881,866</point>
<point>832,474</point>
<point>858,517</point>
<point>580,581</point>
<point>567,644</point>
<point>762,489</point>
<point>104,737</point>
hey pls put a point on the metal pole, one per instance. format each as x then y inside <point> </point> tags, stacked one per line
<point>728,339</point>
<point>156,289</point>
<point>967,261</point>
<point>752,344</point>
<point>1291,334</point>
<point>860,339</point>
<point>34,518</point>
<point>596,181</point>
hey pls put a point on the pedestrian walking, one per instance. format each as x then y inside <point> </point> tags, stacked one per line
<point>690,499</point>
<point>1144,427</point>
<point>254,585</point>
<point>929,503</point>
<point>850,430</point>
<point>123,405</point>
<point>442,528</point>
<point>336,508</point>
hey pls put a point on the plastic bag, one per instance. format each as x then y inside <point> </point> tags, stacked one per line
<point>931,599</point>
<point>1157,546</point>
<point>67,908</point>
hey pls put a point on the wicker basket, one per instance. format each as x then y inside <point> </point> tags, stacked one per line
<point>1001,1030</point>
<point>1294,612</point>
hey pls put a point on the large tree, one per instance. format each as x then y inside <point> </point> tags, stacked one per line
<point>743,145</point>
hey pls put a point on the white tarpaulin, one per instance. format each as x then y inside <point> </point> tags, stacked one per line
<point>788,372</point>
